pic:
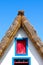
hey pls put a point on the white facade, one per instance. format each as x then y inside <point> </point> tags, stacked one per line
<point>32,52</point>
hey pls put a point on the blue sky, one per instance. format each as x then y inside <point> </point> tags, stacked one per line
<point>33,11</point>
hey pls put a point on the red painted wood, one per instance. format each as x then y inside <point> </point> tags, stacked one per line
<point>21,47</point>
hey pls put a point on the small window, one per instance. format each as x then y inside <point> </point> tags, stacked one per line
<point>21,61</point>
<point>21,46</point>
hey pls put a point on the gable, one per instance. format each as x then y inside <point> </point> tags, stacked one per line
<point>32,52</point>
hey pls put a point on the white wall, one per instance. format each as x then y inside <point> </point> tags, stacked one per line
<point>32,52</point>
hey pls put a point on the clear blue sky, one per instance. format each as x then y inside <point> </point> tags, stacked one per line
<point>33,11</point>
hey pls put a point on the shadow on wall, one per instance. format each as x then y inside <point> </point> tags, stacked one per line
<point>5,53</point>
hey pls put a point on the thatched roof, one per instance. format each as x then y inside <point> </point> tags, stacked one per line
<point>21,21</point>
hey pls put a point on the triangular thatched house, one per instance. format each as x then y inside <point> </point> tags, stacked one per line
<point>23,25</point>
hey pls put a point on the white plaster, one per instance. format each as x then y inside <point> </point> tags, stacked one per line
<point>32,52</point>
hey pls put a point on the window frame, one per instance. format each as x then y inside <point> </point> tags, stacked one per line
<point>29,59</point>
<point>26,46</point>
